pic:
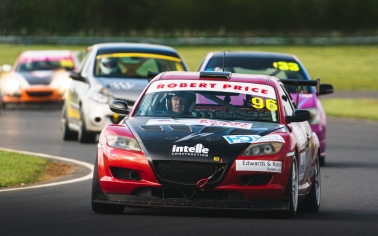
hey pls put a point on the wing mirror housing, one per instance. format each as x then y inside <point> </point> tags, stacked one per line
<point>299,115</point>
<point>76,76</point>
<point>119,106</point>
<point>325,89</point>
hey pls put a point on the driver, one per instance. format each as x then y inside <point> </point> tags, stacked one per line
<point>180,103</point>
<point>109,66</point>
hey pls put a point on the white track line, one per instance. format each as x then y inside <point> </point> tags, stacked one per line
<point>85,164</point>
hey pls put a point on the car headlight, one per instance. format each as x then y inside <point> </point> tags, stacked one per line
<point>12,87</point>
<point>100,94</point>
<point>122,142</point>
<point>262,149</point>
<point>315,118</point>
<point>61,81</point>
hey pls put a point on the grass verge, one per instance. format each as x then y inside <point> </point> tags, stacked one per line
<point>20,169</point>
<point>352,108</point>
<point>347,67</point>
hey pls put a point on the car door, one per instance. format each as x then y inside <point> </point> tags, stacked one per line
<point>303,134</point>
<point>77,89</point>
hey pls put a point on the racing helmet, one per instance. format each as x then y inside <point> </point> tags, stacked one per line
<point>109,65</point>
<point>190,104</point>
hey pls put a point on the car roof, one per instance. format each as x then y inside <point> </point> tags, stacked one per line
<point>252,54</point>
<point>36,53</point>
<point>44,54</point>
<point>104,48</point>
<point>235,77</point>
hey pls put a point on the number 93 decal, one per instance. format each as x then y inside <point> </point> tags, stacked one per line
<point>282,65</point>
<point>259,103</point>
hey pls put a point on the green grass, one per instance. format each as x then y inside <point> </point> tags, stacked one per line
<point>346,67</point>
<point>352,108</point>
<point>18,169</point>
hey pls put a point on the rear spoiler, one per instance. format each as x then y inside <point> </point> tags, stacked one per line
<point>298,83</point>
<point>151,75</point>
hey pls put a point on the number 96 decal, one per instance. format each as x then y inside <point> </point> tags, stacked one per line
<point>259,103</point>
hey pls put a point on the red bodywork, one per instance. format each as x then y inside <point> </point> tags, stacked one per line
<point>274,190</point>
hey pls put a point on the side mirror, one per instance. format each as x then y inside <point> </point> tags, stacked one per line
<point>299,116</point>
<point>151,75</point>
<point>6,68</point>
<point>325,89</point>
<point>76,76</point>
<point>119,106</point>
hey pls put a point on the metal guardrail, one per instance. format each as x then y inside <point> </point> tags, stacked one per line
<point>192,41</point>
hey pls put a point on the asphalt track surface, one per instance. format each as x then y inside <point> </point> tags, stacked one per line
<point>349,191</point>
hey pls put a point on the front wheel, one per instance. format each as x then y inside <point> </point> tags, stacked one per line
<point>292,189</point>
<point>312,201</point>
<point>84,135</point>
<point>67,133</point>
<point>322,160</point>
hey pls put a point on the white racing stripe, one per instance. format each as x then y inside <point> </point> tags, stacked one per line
<point>85,164</point>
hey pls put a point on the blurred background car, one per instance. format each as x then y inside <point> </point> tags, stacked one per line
<point>38,76</point>
<point>282,66</point>
<point>111,71</point>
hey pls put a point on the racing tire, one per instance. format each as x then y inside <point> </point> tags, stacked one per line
<point>292,190</point>
<point>85,136</point>
<point>322,160</point>
<point>68,135</point>
<point>312,202</point>
<point>102,207</point>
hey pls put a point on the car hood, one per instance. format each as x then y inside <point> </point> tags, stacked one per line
<point>305,100</point>
<point>37,77</point>
<point>124,89</point>
<point>196,140</point>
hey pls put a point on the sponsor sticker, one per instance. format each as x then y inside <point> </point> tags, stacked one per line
<point>161,121</point>
<point>209,122</point>
<point>122,85</point>
<point>197,150</point>
<point>205,122</point>
<point>232,139</point>
<point>270,138</point>
<point>220,86</point>
<point>258,165</point>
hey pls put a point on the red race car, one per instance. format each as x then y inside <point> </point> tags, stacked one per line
<point>209,140</point>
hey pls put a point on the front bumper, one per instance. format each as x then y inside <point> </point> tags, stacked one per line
<point>150,201</point>
<point>98,115</point>
<point>35,94</point>
<point>149,190</point>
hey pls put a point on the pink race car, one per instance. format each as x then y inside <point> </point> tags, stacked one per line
<point>282,66</point>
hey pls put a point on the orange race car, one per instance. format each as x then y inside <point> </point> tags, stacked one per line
<point>38,76</point>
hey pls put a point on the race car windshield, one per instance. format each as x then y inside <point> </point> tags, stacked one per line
<point>43,65</point>
<point>167,99</point>
<point>280,68</point>
<point>134,65</point>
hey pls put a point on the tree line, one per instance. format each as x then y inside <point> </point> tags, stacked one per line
<point>194,18</point>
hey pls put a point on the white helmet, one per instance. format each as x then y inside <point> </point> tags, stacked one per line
<point>108,65</point>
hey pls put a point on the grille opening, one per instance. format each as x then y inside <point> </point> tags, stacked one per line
<point>187,172</point>
<point>39,94</point>
<point>251,180</point>
<point>125,174</point>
